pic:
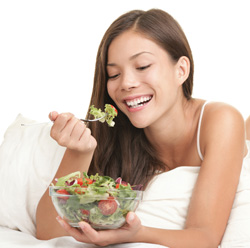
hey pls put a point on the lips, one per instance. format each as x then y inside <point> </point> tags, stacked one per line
<point>138,101</point>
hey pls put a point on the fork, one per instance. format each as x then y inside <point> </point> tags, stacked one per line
<point>43,123</point>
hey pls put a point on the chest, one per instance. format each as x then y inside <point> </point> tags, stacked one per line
<point>185,155</point>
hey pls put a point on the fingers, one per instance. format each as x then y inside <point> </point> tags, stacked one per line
<point>59,130</point>
<point>53,115</point>
<point>86,233</point>
<point>72,133</point>
<point>91,233</point>
<point>130,218</point>
<point>133,221</point>
<point>64,125</point>
<point>75,233</point>
<point>100,238</point>
<point>81,138</point>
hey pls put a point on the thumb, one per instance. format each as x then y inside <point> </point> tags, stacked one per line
<point>53,115</point>
<point>132,219</point>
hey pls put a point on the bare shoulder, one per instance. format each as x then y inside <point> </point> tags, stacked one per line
<point>222,124</point>
<point>222,114</point>
<point>222,108</point>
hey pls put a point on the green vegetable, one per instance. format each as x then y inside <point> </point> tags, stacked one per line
<point>108,115</point>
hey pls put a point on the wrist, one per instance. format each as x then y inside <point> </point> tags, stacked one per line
<point>140,235</point>
<point>78,153</point>
<point>75,161</point>
<point>83,148</point>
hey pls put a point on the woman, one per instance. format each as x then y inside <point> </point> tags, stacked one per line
<point>144,68</point>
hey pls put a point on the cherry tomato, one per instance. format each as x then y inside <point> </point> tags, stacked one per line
<point>89,181</point>
<point>79,181</point>
<point>122,183</point>
<point>63,192</point>
<point>107,207</point>
<point>114,108</point>
<point>85,211</point>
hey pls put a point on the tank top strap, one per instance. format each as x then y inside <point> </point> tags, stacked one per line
<point>198,131</point>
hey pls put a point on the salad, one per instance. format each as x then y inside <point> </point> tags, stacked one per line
<point>110,112</point>
<point>99,200</point>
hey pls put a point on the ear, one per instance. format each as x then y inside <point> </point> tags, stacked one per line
<point>182,69</point>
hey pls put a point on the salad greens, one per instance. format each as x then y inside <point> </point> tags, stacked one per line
<point>110,112</point>
<point>99,200</point>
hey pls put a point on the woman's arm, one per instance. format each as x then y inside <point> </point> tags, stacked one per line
<point>248,128</point>
<point>223,147</point>
<point>68,131</point>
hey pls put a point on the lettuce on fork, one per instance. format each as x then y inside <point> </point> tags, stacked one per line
<point>109,113</point>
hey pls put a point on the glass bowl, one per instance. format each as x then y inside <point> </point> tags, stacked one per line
<point>102,210</point>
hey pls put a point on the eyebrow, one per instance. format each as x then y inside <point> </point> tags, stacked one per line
<point>132,57</point>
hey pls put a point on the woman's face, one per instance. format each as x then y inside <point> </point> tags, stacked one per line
<point>143,79</point>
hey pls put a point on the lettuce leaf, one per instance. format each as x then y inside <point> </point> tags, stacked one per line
<point>108,114</point>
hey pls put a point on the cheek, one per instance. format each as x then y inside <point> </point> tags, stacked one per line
<point>156,74</point>
<point>111,89</point>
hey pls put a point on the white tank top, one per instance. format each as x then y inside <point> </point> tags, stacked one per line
<point>198,131</point>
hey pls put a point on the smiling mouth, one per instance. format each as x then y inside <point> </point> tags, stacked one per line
<point>138,102</point>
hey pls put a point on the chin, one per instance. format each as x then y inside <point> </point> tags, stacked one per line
<point>140,124</point>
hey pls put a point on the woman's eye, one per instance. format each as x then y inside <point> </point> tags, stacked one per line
<point>141,68</point>
<point>113,76</point>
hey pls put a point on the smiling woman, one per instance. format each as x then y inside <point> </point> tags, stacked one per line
<point>145,69</point>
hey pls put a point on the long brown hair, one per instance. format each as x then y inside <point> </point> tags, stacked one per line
<point>124,151</point>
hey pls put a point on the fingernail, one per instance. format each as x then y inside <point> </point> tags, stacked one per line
<point>131,217</point>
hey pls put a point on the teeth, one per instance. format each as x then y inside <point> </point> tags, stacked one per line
<point>138,101</point>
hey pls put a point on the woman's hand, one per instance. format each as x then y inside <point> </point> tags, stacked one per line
<point>72,133</point>
<point>128,233</point>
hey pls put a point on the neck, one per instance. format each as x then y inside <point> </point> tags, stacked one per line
<point>172,134</point>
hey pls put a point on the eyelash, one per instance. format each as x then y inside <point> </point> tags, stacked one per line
<point>143,67</point>
<point>113,77</point>
<point>138,68</point>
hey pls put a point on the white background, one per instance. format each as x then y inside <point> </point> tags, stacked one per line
<point>48,50</point>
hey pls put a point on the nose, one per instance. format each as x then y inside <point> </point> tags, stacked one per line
<point>129,82</point>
